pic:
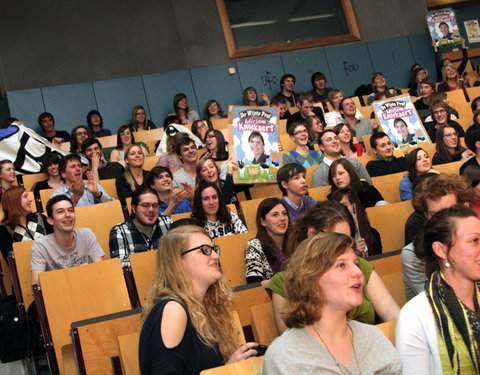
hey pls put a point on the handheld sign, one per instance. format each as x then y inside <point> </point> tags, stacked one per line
<point>399,120</point>
<point>255,141</point>
<point>443,27</point>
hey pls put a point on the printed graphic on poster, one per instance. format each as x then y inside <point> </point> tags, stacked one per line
<point>473,31</point>
<point>255,141</point>
<point>399,119</point>
<point>443,27</point>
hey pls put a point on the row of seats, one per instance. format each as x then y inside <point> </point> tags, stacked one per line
<point>89,309</point>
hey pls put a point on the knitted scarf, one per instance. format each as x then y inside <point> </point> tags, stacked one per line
<point>452,317</point>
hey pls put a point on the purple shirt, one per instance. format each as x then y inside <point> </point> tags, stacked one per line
<point>293,211</point>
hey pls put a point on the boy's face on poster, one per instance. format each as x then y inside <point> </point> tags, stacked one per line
<point>256,146</point>
<point>444,29</point>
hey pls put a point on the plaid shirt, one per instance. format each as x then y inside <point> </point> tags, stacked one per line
<point>126,238</point>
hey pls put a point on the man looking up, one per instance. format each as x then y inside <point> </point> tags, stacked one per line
<point>101,169</point>
<point>187,152</point>
<point>330,147</point>
<point>65,247</point>
<point>81,192</point>
<point>386,163</point>
<point>142,230</point>
<point>287,83</point>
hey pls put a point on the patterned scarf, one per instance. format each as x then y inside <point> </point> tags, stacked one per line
<point>451,315</point>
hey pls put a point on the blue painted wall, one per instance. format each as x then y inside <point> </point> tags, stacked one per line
<point>346,67</point>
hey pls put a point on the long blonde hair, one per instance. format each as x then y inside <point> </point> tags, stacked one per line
<point>212,317</point>
<point>128,172</point>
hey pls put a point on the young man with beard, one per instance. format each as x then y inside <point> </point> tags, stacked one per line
<point>142,230</point>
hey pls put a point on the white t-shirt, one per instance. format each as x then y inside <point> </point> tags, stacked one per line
<point>48,255</point>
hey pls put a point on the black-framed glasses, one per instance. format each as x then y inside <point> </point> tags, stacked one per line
<point>206,249</point>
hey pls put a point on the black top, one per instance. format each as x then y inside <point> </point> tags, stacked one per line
<point>60,134</point>
<point>384,167</point>
<point>432,130</point>
<point>368,195</point>
<point>150,126</point>
<point>124,189</point>
<point>190,356</point>
<point>437,159</point>
<point>110,170</point>
<point>291,99</point>
<point>413,226</point>
<point>42,185</point>
<point>471,161</point>
<point>8,236</point>
<point>321,98</point>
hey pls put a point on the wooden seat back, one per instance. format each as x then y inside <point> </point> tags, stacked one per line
<point>265,191</point>
<point>244,298</point>
<point>80,293</point>
<point>251,366</point>
<point>388,329</point>
<point>232,257</point>
<point>389,186</point>
<point>220,124</point>
<point>148,135</point>
<point>29,180</point>
<point>390,270</point>
<point>449,167</point>
<point>264,326</point>
<point>108,141</point>
<point>97,341</point>
<point>22,252</point>
<point>473,92</point>
<point>456,97</point>
<point>390,221</point>
<point>45,195</point>
<point>143,270</point>
<point>150,162</point>
<point>319,193</point>
<point>128,346</point>
<point>100,218</point>
<point>109,186</point>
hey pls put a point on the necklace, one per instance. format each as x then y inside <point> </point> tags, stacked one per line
<point>337,363</point>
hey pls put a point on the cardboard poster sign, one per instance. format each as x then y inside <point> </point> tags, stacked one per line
<point>443,27</point>
<point>255,140</point>
<point>399,120</point>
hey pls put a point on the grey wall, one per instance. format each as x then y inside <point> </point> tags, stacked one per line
<point>53,42</point>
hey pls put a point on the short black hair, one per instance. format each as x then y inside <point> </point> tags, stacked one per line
<point>64,162</point>
<point>90,141</point>
<point>181,139</point>
<point>155,172</point>
<point>472,135</point>
<point>285,76</point>
<point>286,172</point>
<point>138,193</point>
<point>376,136</point>
<point>320,136</point>
<point>54,200</point>
<point>317,75</point>
<point>49,159</point>
<point>44,115</point>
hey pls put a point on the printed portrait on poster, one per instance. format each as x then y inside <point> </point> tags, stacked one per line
<point>399,119</point>
<point>255,141</point>
<point>443,27</point>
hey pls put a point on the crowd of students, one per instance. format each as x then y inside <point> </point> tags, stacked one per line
<point>309,255</point>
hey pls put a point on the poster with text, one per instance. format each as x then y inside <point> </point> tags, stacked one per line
<point>399,119</point>
<point>473,31</point>
<point>255,141</point>
<point>443,27</point>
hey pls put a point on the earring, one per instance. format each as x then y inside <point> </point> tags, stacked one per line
<point>447,263</point>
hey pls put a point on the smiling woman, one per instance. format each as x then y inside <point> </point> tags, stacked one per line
<point>19,223</point>
<point>211,212</point>
<point>134,175</point>
<point>187,324</point>
<point>323,284</point>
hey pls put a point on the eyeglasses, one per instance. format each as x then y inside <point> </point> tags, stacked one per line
<point>206,249</point>
<point>450,135</point>
<point>149,205</point>
<point>125,133</point>
<point>439,112</point>
<point>304,131</point>
<point>81,133</point>
<point>211,136</point>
